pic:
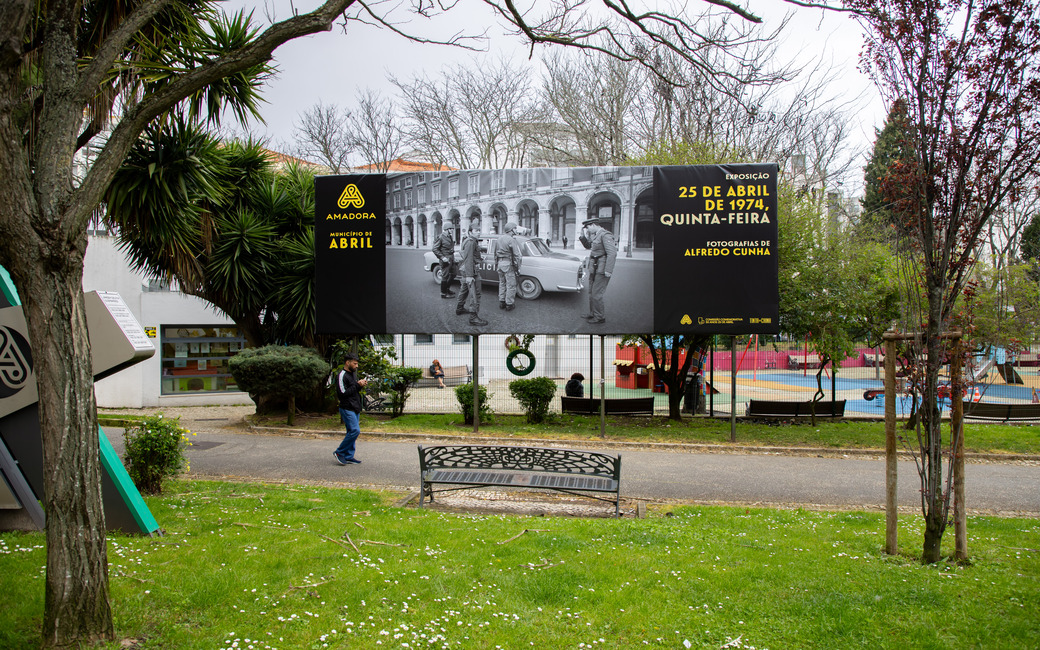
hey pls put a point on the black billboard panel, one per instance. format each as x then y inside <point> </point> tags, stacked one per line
<point>715,249</point>
<point>350,255</point>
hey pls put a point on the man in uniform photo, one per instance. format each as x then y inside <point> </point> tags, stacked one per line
<point>469,272</point>
<point>602,255</point>
<point>444,249</point>
<point>507,258</point>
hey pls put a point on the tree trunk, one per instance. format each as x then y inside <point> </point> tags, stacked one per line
<point>933,496</point>
<point>292,410</point>
<point>77,607</point>
<point>934,524</point>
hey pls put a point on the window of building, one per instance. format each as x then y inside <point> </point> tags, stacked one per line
<point>195,358</point>
<point>453,188</point>
<point>422,195</point>
<point>424,339</point>
<point>408,182</point>
<point>408,200</point>
<point>460,338</point>
<point>498,181</point>
<point>435,192</point>
<point>397,201</point>
<point>383,339</point>
<point>397,185</point>
<point>526,179</point>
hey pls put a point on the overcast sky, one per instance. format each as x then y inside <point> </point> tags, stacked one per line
<point>332,67</point>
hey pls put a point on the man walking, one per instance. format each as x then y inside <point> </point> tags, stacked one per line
<point>469,272</point>
<point>444,249</point>
<point>348,390</point>
<point>602,255</point>
<point>508,264</point>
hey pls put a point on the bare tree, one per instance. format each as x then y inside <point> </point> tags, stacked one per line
<point>1003,233</point>
<point>322,135</point>
<point>471,116</point>
<point>375,131</point>
<point>592,98</point>
<point>606,110</point>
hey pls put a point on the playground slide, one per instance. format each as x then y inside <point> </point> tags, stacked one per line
<point>981,372</point>
<point>1009,374</point>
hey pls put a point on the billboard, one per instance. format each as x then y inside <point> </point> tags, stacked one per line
<point>595,250</point>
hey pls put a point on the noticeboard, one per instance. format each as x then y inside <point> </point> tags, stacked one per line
<point>600,250</point>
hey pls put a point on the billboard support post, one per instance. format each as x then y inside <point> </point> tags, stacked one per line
<point>476,383</point>
<point>602,388</point>
<point>732,388</point>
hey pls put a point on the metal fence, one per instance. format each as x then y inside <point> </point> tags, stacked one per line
<point>773,371</point>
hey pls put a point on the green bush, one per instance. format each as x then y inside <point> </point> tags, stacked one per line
<point>278,371</point>
<point>534,396</point>
<point>155,451</point>
<point>464,394</point>
<point>399,382</point>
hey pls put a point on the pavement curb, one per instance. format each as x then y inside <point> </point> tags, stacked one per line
<point>438,438</point>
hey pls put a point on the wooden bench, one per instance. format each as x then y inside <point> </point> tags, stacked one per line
<point>763,408</point>
<point>799,361</point>
<point>584,473</point>
<point>614,405</point>
<point>453,376</point>
<point>1002,412</point>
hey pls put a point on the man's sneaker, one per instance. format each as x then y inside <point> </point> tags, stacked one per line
<point>354,461</point>
<point>338,459</point>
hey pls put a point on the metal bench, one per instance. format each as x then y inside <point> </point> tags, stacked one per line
<point>763,408</point>
<point>1002,412</point>
<point>614,405</point>
<point>584,473</point>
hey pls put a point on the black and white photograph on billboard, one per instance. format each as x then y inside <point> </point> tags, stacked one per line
<point>538,251</point>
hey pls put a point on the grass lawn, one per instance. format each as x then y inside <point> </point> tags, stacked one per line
<point>845,434</point>
<point>258,566</point>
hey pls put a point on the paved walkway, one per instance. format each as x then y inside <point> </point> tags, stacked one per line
<point>224,447</point>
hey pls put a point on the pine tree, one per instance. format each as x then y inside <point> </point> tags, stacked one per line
<point>891,146</point>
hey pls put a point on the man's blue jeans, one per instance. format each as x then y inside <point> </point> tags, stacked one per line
<point>345,451</point>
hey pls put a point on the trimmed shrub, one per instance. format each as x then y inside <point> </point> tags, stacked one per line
<point>534,396</point>
<point>278,371</point>
<point>464,394</point>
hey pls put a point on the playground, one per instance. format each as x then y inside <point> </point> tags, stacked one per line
<point>861,386</point>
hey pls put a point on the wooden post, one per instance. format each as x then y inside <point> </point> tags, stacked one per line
<point>960,520</point>
<point>891,468</point>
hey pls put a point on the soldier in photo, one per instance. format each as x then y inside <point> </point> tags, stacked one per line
<point>444,249</point>
<point>507,258</point>
<point>469,273</point>
<point>602,255</point>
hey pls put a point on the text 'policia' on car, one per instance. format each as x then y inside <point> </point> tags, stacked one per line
<point>542,269</point>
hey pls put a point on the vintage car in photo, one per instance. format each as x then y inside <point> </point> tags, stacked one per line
<point>541,269</point>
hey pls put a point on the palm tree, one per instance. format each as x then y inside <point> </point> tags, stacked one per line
<point>218,219</point>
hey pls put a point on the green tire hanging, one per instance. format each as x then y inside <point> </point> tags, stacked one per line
<point>525,367</point>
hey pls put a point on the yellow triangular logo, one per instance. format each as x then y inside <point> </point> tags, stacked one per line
<point>686,320</point>
<point>351,198</point>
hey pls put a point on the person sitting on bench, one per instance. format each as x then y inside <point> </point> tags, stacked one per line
<point>574,387</point>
